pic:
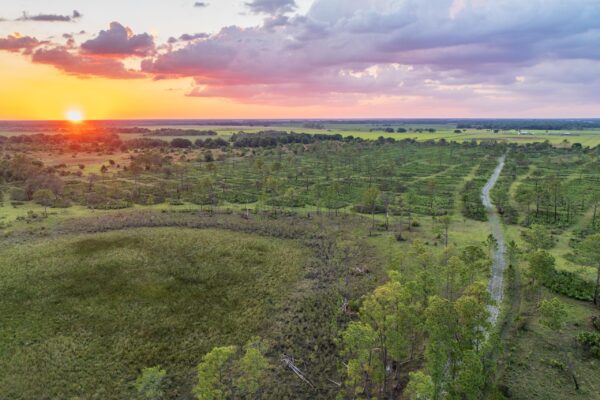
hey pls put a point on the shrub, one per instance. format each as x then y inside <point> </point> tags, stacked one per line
<point>570,284</point>
<point>18,194</point>
<point>149,383</point>
<point>181,143</point>
<point>44,197</point>
<point>596,322</point>
<point>554,313</point>
<point>590,342</point>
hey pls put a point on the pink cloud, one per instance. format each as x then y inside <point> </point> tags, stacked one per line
<point>83,65</point>
<point>17,43</point>
<point>119,41</point>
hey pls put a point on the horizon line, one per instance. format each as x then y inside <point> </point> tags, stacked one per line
<point>331,119</point>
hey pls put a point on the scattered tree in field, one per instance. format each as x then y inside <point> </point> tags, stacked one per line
<point>538,237</point>
<point>149,384</point>
<point>363,366</point>
<point>44,197</point>
<point>387,199</point>
<point>554,313</point>
<point>456,334</point>
<point>384,336</point>
<point>215,375</point>
<point>253,367</point>
<point>411,200</point>
<point>443,228</point>
<point>513,252</point>
<point>589,253</point>
<point>92,179</point>
<point>369,200</point>
<point>457,276</point>
<point>590,342</point>
<point>475,260</point>
<point>541,266</point>
<point>226,372</point>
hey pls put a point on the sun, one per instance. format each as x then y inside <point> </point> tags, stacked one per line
<point>74,116</point>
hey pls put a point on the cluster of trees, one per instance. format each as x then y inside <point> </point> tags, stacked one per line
<point>542,265</point>
<point>34,181</point>
<point>276,138</point>
<point>208,143</point>
<point>227,372</point>
<point>547,199</point>
<point>441,309</point>
<point>179,132</point>
<point>528,124</point>
<point>108,141</point>
<point>403,130</point>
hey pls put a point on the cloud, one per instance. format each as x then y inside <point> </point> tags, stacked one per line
<point>51,17</point>
<point>16,43</point>
<point>119,41</point>
<point>200,4</point>
<point>466,48</point>
<point>83,65</point>
<point>271,6</point>
<point>189,37</point>
<point>275,21</point>
<point>462,54</point>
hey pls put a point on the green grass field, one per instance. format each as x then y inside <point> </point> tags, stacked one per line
<point>83,314</point>
<point>586,138</point>
<point>541,360</point>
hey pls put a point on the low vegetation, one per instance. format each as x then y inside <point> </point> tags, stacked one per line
<point>316,261</point>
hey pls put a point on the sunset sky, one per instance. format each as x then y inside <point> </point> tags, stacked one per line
<point>116,59</point>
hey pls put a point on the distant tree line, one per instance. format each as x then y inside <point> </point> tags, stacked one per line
<point>542,124</point>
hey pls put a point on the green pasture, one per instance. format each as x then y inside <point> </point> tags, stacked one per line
<point>82,315</point>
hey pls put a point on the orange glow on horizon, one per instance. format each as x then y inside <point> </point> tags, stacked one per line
<point>40,92</point>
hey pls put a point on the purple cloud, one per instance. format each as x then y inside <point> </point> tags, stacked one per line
<point>119,41</point>
<point>15,43</point>
<point>271,6</point>
<point>189,37</point>
<point>83,65</point>
<point>391,48</point>
<point>51,17</point>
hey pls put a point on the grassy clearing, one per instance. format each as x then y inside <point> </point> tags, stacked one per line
<point>83,314</point>
<point>541,359</point>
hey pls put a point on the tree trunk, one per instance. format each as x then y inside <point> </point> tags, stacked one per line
<point>387,219</point>
<point>597,289</point>
<point>373,215</point>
